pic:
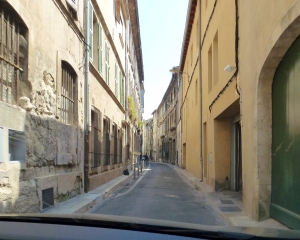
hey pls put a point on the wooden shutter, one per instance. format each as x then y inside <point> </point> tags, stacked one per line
<point>118,10</point>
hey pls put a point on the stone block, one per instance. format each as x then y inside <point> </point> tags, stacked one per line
<point>66,159</point>
<point>67,182</point>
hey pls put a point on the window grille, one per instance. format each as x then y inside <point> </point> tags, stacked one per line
<point>48,197</point>
<point>119,146</point>
<point>12,44</point>
<point>115,142</point>
<point>106,141</point>
<point>95,136</point>
<point>68,87</point>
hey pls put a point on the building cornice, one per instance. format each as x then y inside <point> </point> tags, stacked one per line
<point>187,32</point>
<point>135,26</point>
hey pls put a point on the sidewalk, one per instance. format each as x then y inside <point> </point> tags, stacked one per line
<point>227,203</point>
<point>84,202</point>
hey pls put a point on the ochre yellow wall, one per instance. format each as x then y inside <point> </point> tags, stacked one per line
<point>218,18</point>
<point>191,105</point>
<point>263,42</point>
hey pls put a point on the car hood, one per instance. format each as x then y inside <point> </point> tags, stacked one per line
<point>152,225</point>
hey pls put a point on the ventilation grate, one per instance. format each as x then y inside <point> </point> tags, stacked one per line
<point>226,201</point>
<point>47,197</point>
<point>230,209</point>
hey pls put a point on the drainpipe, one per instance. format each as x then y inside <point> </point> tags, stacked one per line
<point>86,99</point>
<point>126,95</point>
<point>200,91</point>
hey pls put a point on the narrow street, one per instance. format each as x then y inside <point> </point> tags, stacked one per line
<point>160,194</point>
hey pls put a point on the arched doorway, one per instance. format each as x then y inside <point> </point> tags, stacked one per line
<point>285,196</point>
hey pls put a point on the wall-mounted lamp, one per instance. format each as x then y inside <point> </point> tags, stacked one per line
<point>177,70</point>
<point>229,68</point>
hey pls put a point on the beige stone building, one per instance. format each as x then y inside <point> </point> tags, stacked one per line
<point>155,139</point>
<point>44,141</point>
<point>115,92</point>
<point>41,104</point>
<point>147,145</point>
<point>249,74</point>
<point>166,115</point>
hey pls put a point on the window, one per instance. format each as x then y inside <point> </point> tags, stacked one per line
<point>1,144</point>
<point>68,93</point>
<point>17,145</point>
<point>209,74</point>
<point>73,6</point>
<point>91,24</point>
<point>106,141</point>
<point>192,54</point>
<point>95,138</point>
<point>215,59</point>
<point>119,145</point>
<point>116,80</point>
<point>13,54</point>
<point>95,41</point>
<point>115,142</point>
<point>106,63</point>
<point>121,88</point>
<point>100,49</point>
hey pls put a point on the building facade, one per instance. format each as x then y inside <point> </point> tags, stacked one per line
<point>270,119</point>
<point>148,137</point>
<point>166,114</point>
<point>41,122</point>
<point>248,125</point>
<point>116,76</point>
<point>190,95</point>
<point>66,127</point>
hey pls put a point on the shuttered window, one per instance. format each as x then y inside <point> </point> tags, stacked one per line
<point>100,49</point>
<point>121,89</point>
<point>13,53</point>
<point>91,14</point>
<point>106,63</point>
<point>116,80</point>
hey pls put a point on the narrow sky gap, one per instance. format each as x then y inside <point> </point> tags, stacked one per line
<point>161,28</point>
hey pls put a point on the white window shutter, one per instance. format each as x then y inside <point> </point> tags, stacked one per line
<point>91,10</point>
<point>100,48</point>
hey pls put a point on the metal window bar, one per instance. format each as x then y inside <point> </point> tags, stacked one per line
<point>119,146</point>
<point>95,147</point>
<point>115,142</point>
<point>10,70</point>
<point>95,139</point>
<point>67,93</point>
<point>106,141</point>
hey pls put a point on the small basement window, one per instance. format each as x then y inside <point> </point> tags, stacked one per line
<point>48,197</point>
<point>17,145</point>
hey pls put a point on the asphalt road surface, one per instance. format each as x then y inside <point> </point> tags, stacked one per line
<point>160,194</point>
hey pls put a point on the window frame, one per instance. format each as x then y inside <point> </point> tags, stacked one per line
<point>9,146</point>
<point>13,40</point>
<point>67,85</point>
<point>107,68</point>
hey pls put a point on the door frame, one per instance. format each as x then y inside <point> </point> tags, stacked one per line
<point>233,160</point>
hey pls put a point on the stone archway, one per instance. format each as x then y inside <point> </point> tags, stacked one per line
<point>283,36</point>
